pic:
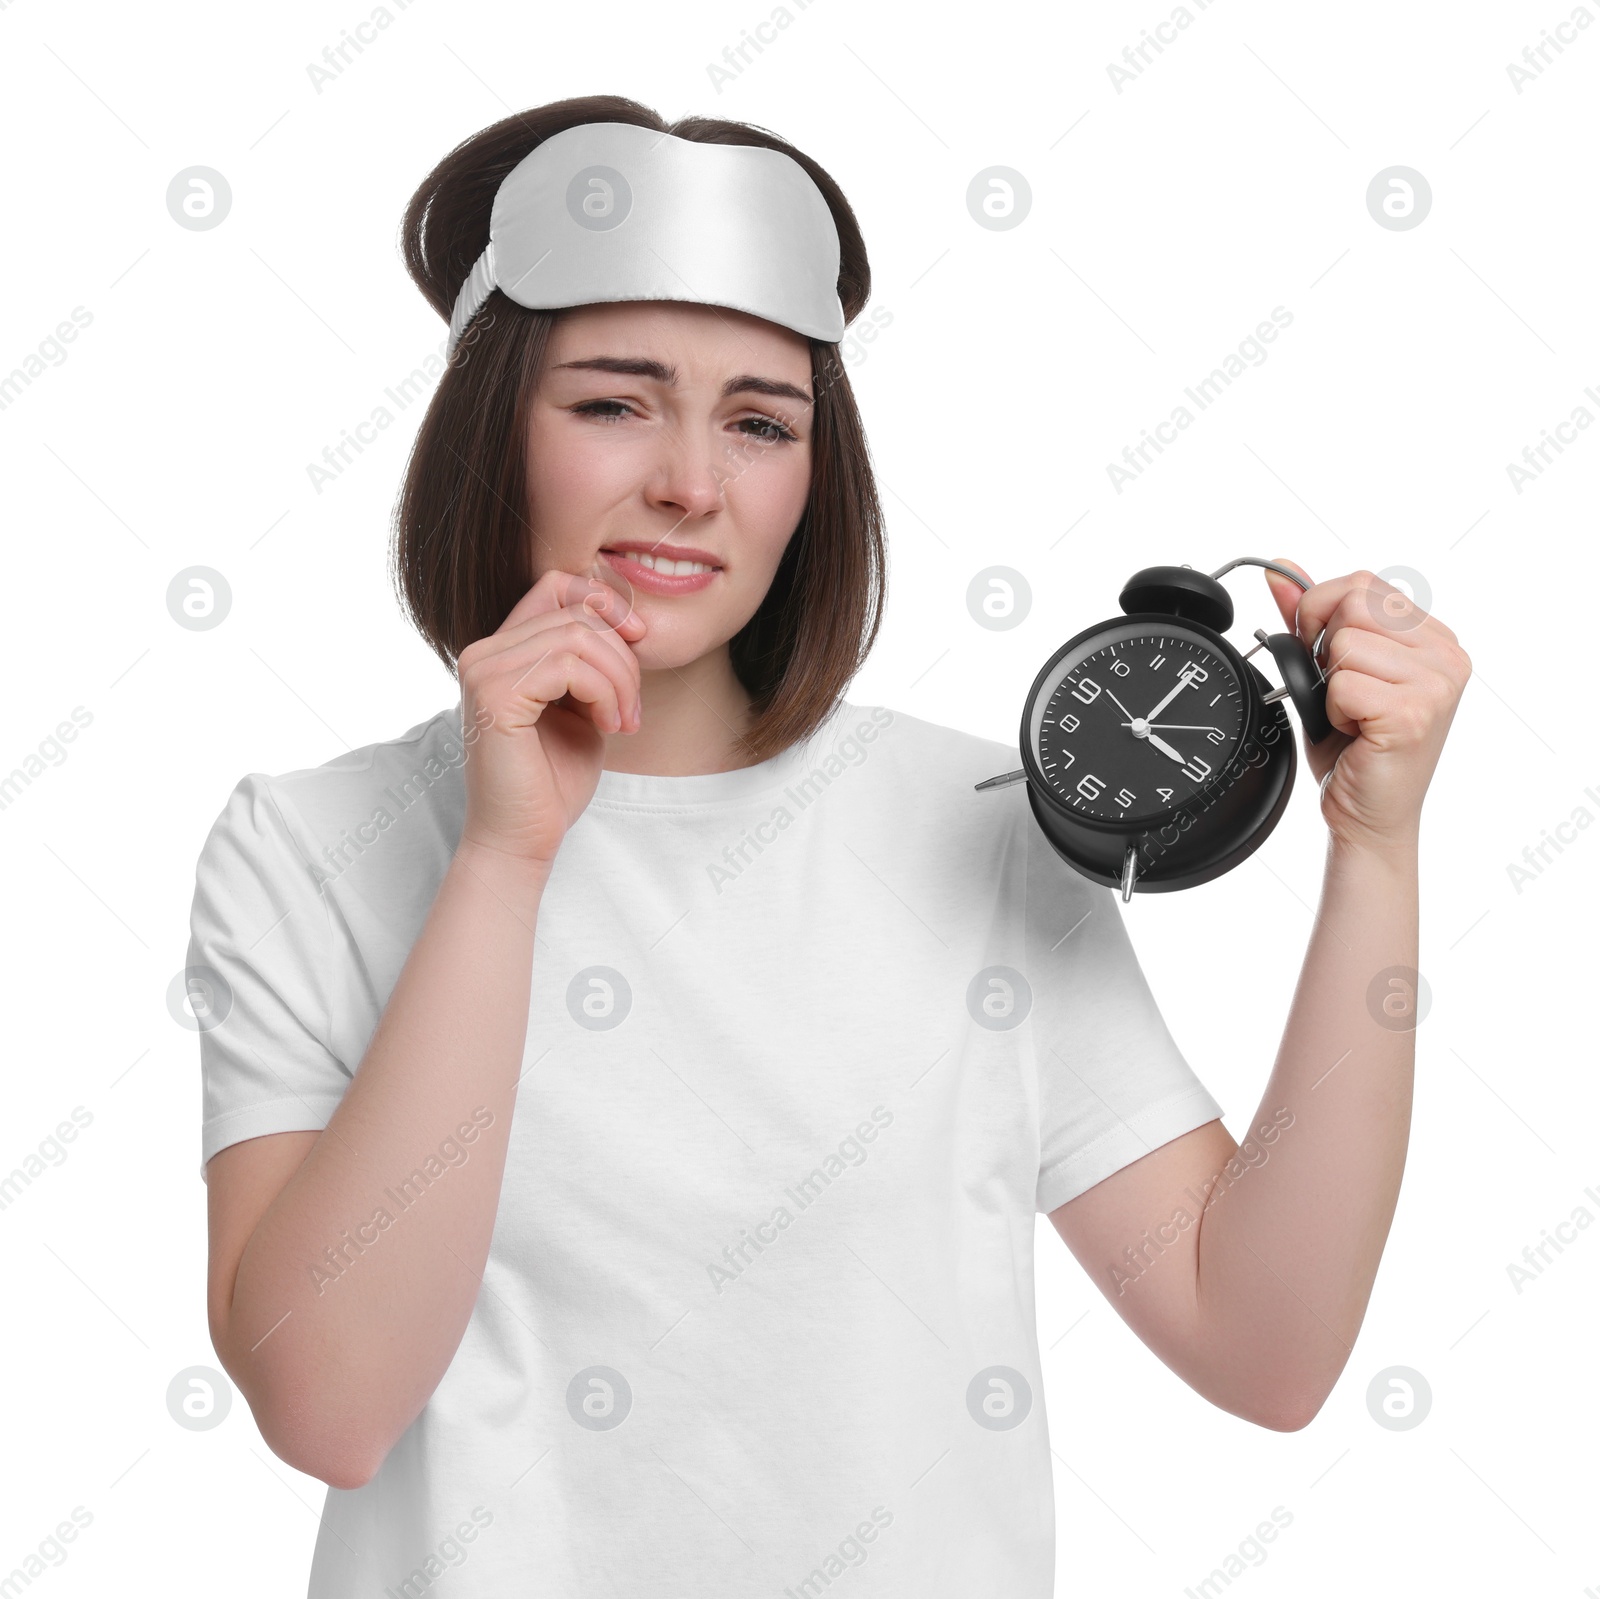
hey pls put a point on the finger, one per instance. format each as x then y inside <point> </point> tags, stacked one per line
<point>556,589</point>
<point>576,619</point>
<point>1384,609</point>
<point>1285,591</point>
<point>553,676</point>
<point>602,650</point>
<point>1379,655</point>
<point>1355,697</point>
<point>1318,603</point>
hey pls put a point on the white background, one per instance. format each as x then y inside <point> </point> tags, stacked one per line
<point>1229,177</point>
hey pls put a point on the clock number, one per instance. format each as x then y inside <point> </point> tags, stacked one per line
<point>1156,660</point>
<point>1205,770</point>
<point>1165,793</point>
<point>1215,734</point>
<point>1093,691</point>
<point>1125,799</point>
<point>1069,723</point>
<point>1121,668</point>
<point>1194,672</point>
<point>1086,791</point>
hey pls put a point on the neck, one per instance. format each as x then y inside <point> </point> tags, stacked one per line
<point>691,718</point>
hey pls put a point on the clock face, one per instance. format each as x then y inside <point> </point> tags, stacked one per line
<point>1135,719</point>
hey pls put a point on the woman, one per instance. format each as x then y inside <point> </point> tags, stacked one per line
<point>624,1132</point>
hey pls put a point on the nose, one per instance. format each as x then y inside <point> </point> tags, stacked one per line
<point>690,471</point>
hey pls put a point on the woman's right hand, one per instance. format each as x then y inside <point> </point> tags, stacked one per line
<point>543,690</point>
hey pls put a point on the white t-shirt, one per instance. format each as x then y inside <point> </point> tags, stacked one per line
<point>809,1044</point>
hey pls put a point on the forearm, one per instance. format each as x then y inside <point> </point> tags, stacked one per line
<point>1288,1252</point>
<point>356,1286</point>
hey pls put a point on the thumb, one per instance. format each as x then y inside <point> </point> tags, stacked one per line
<point>1284,590</point>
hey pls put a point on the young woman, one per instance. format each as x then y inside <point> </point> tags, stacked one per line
<point>629,1092</point>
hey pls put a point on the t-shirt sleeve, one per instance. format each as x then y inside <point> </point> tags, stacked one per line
<point>258,960</point>
<point>1113,1084</point>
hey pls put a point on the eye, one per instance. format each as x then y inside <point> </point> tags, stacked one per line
<point>770,429</point>
<point>591,408</point>
<point>766,428</point>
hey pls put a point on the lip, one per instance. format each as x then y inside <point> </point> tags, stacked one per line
<point>657,582</point>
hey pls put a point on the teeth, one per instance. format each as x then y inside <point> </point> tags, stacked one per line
<point>669,568</point>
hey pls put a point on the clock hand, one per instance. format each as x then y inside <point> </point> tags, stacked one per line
<point>1172,694</point>
<point>1166,749</point>
<point>1185,727</point>
<point>1119,705</point>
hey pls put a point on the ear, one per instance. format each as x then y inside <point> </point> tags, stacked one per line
<point>1286,592</point>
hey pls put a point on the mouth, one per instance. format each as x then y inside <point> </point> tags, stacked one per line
<point>662,568</point>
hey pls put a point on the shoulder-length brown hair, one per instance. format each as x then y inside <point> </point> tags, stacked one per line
<point>461,557</point>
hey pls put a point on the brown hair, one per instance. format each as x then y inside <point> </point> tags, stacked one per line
<point>461,550</point>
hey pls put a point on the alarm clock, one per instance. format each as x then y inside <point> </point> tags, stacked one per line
<point>1156,756</point>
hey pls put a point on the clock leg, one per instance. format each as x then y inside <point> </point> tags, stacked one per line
<point>1130,870</point>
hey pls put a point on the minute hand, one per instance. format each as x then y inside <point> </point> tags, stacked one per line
<point>1172,694</point>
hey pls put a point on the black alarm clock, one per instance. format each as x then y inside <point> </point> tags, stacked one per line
<point>1156,756</point>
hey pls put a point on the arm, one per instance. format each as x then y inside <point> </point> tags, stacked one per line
<point>336,1364</point>
<point>338,1357</point>
<point>1257,1299</point>
<point>1248,1268</point>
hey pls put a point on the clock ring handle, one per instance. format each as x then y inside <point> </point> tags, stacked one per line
<point>1272,566</point>
<point>1303,679</point>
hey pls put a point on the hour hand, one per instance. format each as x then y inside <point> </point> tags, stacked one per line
<point>1166,749</point>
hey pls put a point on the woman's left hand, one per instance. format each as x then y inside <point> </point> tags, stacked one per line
<point>1395,675</point>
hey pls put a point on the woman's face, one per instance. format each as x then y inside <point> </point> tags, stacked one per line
<point>682,430</point>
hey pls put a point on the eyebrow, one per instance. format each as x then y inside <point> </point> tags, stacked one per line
<point>639,367</point>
